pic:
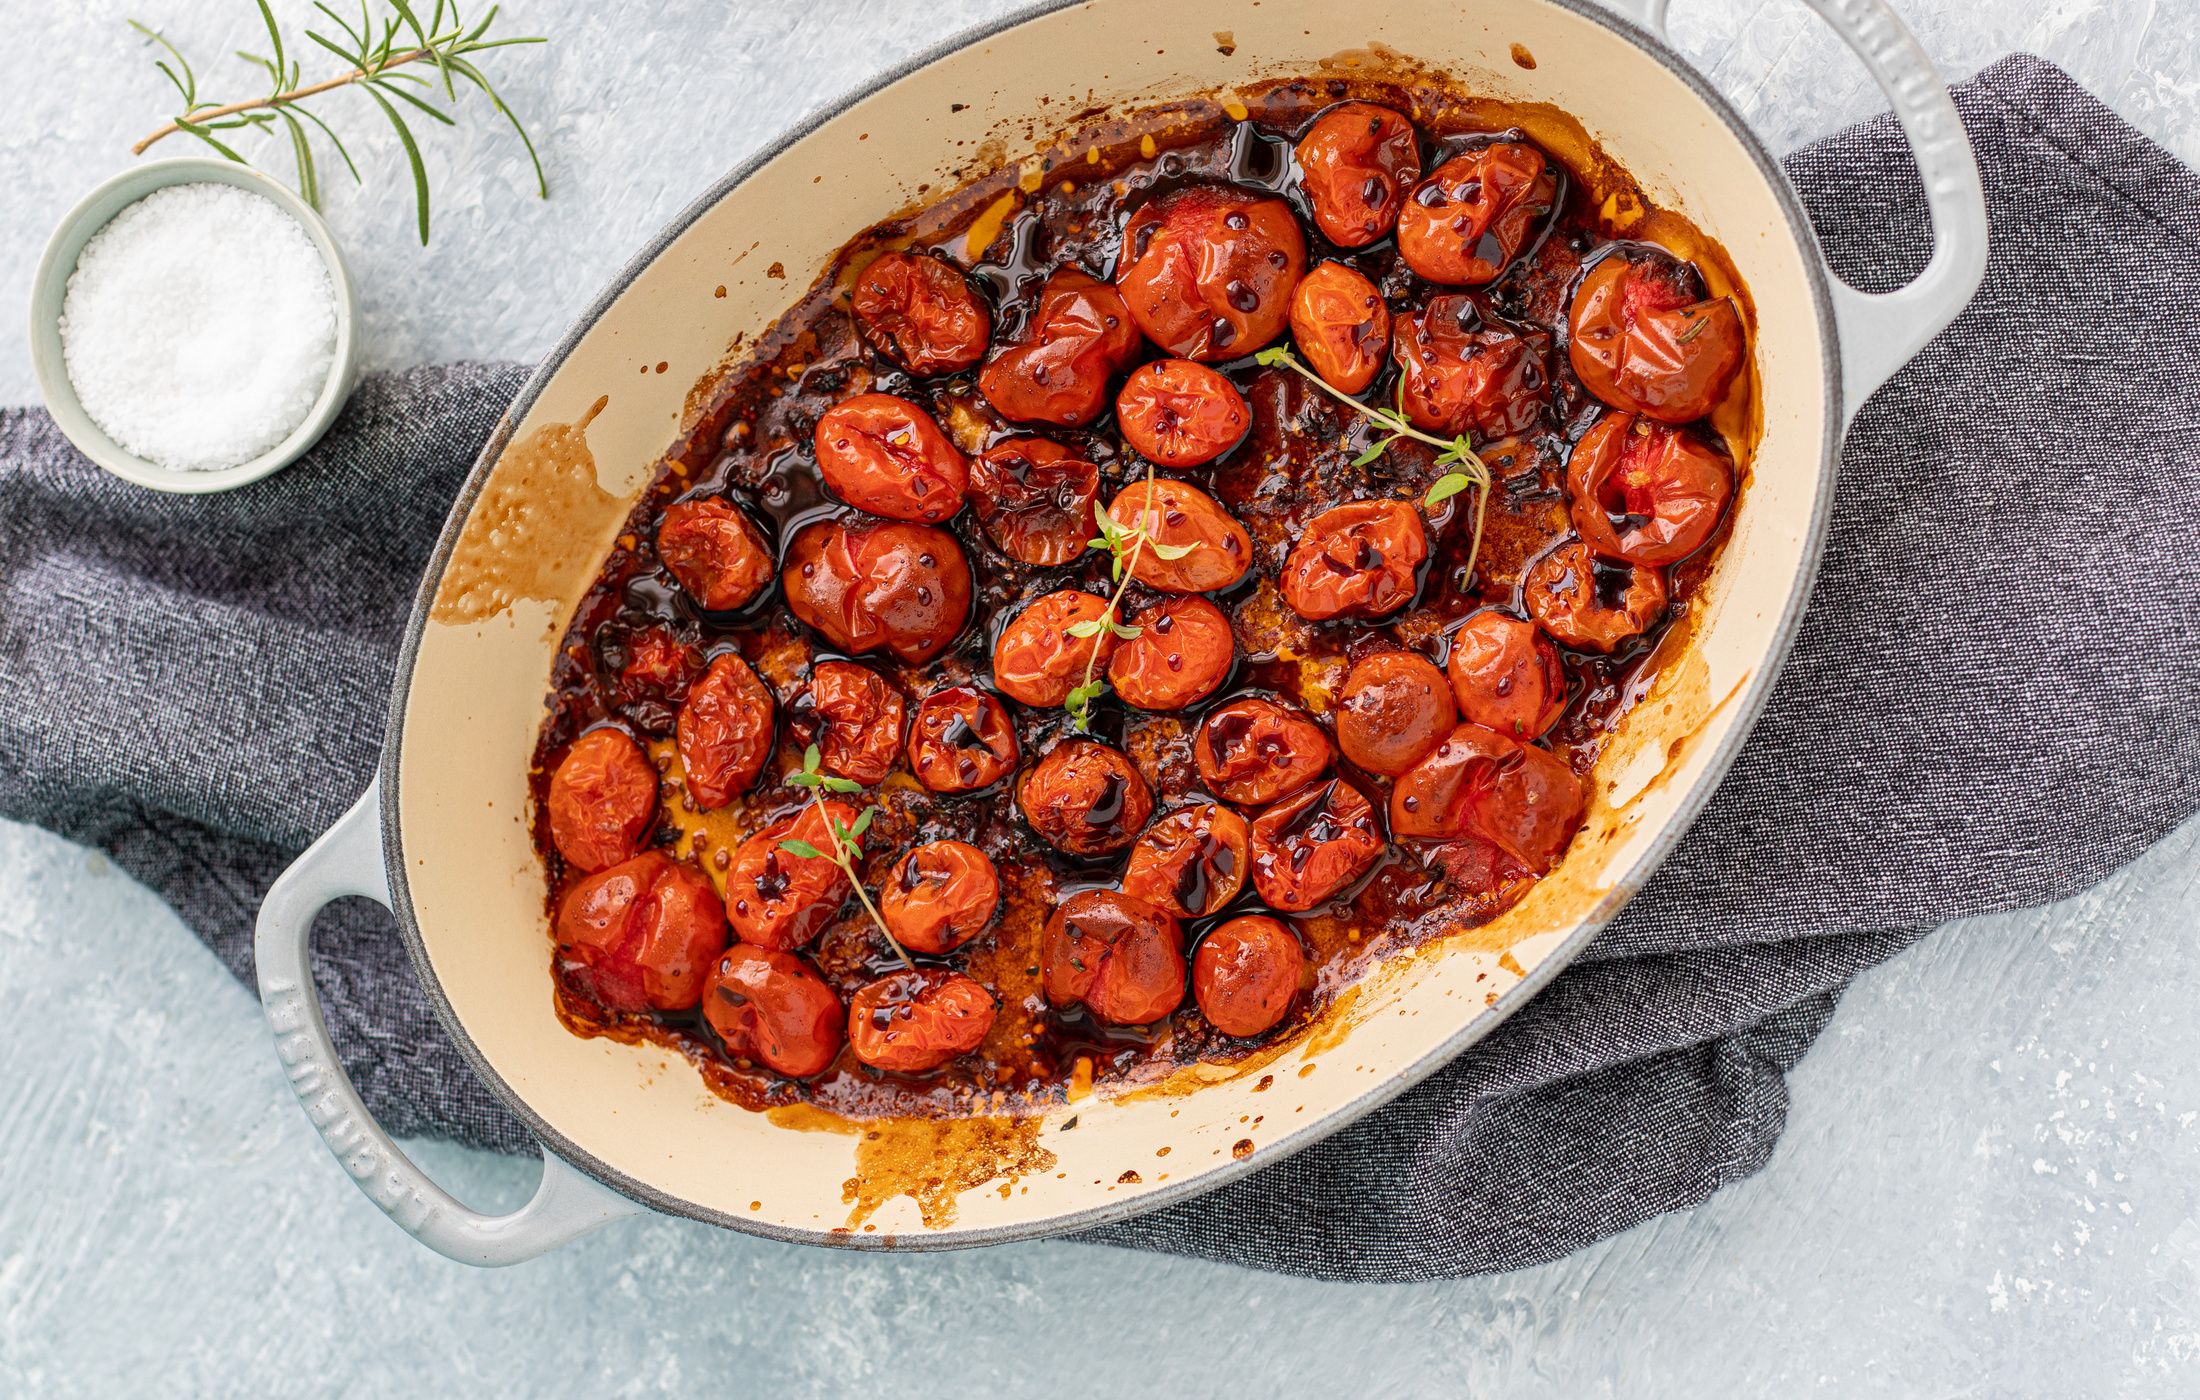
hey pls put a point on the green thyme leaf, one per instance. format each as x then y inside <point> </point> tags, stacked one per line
<point>839,784</point>
<point>1447,486</point>
<point>863,822</point>
<point>811,758</point>
<point>1171,551</point>
<point>1123,630</point>
<point>1084,629</point>
<point>803,849</point>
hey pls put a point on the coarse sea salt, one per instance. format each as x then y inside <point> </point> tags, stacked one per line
<point>199,326</point>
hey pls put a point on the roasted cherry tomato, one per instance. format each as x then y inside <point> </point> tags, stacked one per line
<point>1479,782</point>
<point>1309,846</point>
<point>1458,375</point>
<point>1644,339</point>
<point>641,935</point>
<point>1080,335</point>
<point>1180,517</point>
<point>1119,957</point>
<point>920,313</point>
<point>1182,652</point>
<point>603,799</point>
<point>725,732</point>
<point>1180,413</point>
<point>1475,213</point>
<point>1208,270</point>
<point>918,1019</point>
<point>1253,751</point>
<point>1592,604</point>
<point>941,896</point>
<point>1506,675</point>
<point>961,740</point>
<point>1085,798</point>
<point>1034,497</point>
<point>769,1007</point>
<point>1356,162</point>
<point>1191,862</point>
<point>777,899</point>
<point>1046,649</point>
<point>885,455</point>
<point>902,589</point>
<point>1342,327</point>
<point>715,551</point>
<point>1360,559</point>
<point>1246,974</point>
<point>1395,707</point>
<point>858,721</point>
<point>1644,492</point>
<point>654,676</point>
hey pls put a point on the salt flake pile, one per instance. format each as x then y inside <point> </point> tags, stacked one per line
<point>199,326</point>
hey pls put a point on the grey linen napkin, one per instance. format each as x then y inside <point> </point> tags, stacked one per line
<point>1994,702</point>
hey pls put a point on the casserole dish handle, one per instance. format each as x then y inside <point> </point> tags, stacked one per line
<point>1881,332</point>
<point>347,860</point>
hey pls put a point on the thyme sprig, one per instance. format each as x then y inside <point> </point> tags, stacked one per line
<point>1456,452</point>
<point>1124,543</point>
<point>847,840</point>
<point>376,49</point>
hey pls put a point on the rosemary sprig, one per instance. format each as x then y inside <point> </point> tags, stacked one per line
<point>376,50</point>
<point>1457,452</point>
<point>1124,543</point>
<point>847,840</point>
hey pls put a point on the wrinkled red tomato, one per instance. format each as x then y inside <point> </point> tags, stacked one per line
<point>641,935</point>
<point>1592,604</point>
<point>654,678</point>
<point>1479,782</point>
<point>961,740</point>
<point>911,1021</point>
<point>1644,492</point>
<point>777,899</point>
<point>1182,653</point>
<point>1246,974</point>
<point>858,721</point>
<point>1180,413</point>
<point>921,313</point>
<point>1310,846</point>
<point>1394,708</point>
<point>1046,650</point>
<point>1085,798</point>
<point>1506,675</point>
<point>1643,338</point>
<point>1119,957</point>
<point>1191,862</point>
<point>1475,213</point>
<point>1357,161</point>
<point>1079,336</point>
<point>885,455</point>
<point>725,732</point>
<point>1177,516</point>
<point>901,589</point>
<point>715,552</point>
<point>602,800</point>
<point>1208,270</point>
<point>1458,375</point>
<point>1360,559</point>
<point>770,1007</point>
<point>1034,497</point>
<point>941,895</point>
<point>1252,751</point>
<point>1341,325</point>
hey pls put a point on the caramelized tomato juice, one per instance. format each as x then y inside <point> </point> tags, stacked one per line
<point>748,437</point>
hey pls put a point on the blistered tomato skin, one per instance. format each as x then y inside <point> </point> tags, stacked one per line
<point>641,935</point>
<point>1180,413</point>
<point>1360,559</point>
<point>1039,659</point>
<point>1506,675</point>
<point>921,313</point>
<point>961,740</point>
<point>1182,653</point>
<point>1591,604</point>
<point>770,1007</point>
<point>1644,492</point>
<point>715,552</point>
<point>1085,798</point>
<point>1357,163</point>
<point>1207,270</point>
<point>1479,782</point>
<point>1192,862</point>
<point>1644,341</point>
<point>1252,751</point>
<point>1309,847</point>
<point>1034,497</point>
<point>858,721</point>
<point>908,1022</point>
<point>1079,337</point>
<point>602,800</point>
<point>1246,974</point>
<point>1341,325</point>
<point>655,678</point>
<point>885,455</point>
<point>1178,516</point>
<point>1394,708</point>
<point>777,899</point>
<point>940,896</point>
<point>1465,223</point>
<point>725,732</point>
<point>898,588</point>
<point>1460,375</point>
<point>1119,957</point>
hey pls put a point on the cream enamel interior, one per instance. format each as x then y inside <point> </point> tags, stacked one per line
<point>476,690</point>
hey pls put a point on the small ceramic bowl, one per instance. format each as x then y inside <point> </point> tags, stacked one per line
<point>92,214</point>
